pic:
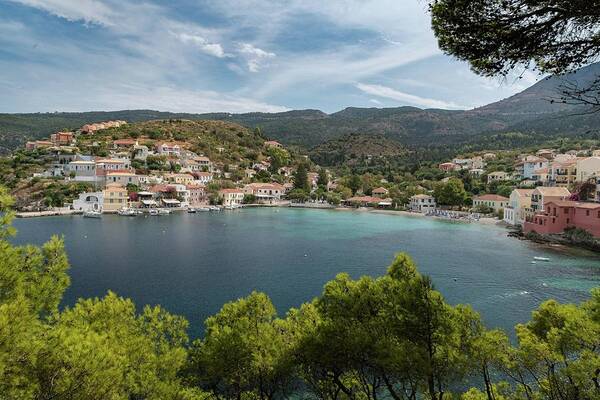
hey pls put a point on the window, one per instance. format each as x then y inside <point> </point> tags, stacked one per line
<point>587,213</point>
<point>566,211</point>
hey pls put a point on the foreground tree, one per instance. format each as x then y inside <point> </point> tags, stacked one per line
<point>497,36</point>
<point>99,349</point>
<point>245,352</point>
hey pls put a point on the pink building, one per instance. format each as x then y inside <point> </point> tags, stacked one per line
<point>561,214</point>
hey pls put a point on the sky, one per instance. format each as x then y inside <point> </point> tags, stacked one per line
<point>231,56</point>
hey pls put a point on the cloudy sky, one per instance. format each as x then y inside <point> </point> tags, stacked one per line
<point>230,55</point>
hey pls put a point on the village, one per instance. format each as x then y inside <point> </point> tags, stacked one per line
<point>548,191</point>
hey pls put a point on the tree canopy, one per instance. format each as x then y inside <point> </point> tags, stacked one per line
<point>497,36</point>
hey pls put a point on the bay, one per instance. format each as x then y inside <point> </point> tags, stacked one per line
<point>194,263</point>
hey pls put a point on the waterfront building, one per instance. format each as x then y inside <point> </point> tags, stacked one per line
<point>231,197</point>
<point>114,198</point>
<point>265,191</point>
<point>197,195</point>
<point>494,201</point>
<point>422,203</point>
<point>89,201</point>
<point>561,214</point>
<point>518,202</point>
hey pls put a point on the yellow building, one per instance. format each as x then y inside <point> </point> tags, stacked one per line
<point>115,198</point>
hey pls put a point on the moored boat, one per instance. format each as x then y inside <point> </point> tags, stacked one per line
<point>164,211</point>
<point>191,210</point>
<point>127,212</point>
<point>153,211</point>
<point>541,258</point>
<point>92,214</point>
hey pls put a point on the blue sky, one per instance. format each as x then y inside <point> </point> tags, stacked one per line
<point>230,55</point>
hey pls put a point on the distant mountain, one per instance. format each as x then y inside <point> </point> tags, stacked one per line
<point>529,111</point>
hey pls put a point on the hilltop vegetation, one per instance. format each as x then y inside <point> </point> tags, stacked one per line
<point>223,142</point>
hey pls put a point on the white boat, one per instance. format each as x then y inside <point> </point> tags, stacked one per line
<point>127,212</point>
<point>215,208</point>
<point>191,210</point>
<point>164,211</point>
<point>228,207</point>
<point>541,258</point>
<point>92,214</point>
<point>153,211</point>
<point>203,209</point>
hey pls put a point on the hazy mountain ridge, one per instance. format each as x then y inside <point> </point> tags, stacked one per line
<point>529,111</point>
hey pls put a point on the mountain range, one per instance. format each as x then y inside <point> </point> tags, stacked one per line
<point>530,112</point>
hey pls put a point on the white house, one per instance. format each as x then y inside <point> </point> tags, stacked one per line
<point>89,202</point>
<point>519,200</point>
<point>422,203</point>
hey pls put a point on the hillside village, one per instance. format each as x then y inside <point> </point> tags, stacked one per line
<point>115,166</point>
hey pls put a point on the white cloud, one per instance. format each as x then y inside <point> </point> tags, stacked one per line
<point>389,93</point>
<point>375,101</point>
<point>89,11</point>
<point>213,49</point>
<point>255,56</point>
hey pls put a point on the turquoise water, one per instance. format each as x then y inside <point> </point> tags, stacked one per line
<point>193,263</point>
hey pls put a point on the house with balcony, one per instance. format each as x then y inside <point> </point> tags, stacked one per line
<point>563,173</point>
<point>530,164</point>
<point>422,203</point>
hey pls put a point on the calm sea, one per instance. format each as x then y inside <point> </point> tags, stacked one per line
<point>193,263</point>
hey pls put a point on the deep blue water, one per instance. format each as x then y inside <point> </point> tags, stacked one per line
<point>193,263</point>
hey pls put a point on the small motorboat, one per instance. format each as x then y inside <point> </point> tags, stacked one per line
<point>164,211</point>
<point>541,258</point>
<point>191,210</point>
<point>153,211</point>
<point>92,214</point>
<point>127,212</point>
<point>203,209</point>
<point>215,208</point>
